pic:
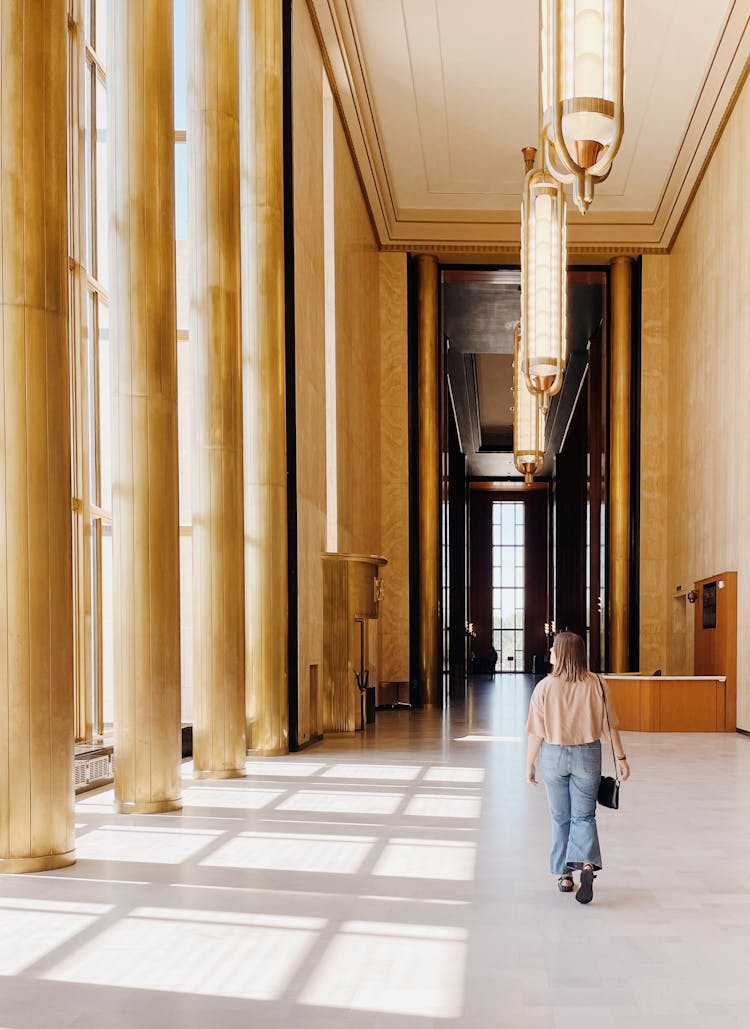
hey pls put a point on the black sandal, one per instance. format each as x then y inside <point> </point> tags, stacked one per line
<point>565,883</point>
<point>585,892</point>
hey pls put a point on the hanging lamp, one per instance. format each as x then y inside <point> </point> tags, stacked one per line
<point>581,64</point>
<point>528,419</point>
<point>543,282</point>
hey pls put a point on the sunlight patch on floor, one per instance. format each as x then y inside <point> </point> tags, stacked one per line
<point>293,852</point>
<point>210,953</point>
<point>392,968</point>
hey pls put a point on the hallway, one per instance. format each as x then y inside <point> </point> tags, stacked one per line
<point>396,880</point>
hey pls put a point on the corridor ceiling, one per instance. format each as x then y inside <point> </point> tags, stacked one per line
<point>439,96</point>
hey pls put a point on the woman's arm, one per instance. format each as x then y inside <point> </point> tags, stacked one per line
<point>623,768</point>
<point>535,743</point>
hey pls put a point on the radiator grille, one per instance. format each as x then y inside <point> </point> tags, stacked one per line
<point>91,769</point>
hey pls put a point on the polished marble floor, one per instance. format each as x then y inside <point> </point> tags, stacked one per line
<point>397,880</point>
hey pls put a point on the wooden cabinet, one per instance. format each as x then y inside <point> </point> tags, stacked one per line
<point>351,599</point>
<point>716,636</point>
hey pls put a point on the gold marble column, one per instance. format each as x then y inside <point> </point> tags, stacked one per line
<point>144,473</point>
<point>619,471</point>
<point>264,376</point>
<point>36,591</point>
<point>429,484</point>
<point>218,537</point>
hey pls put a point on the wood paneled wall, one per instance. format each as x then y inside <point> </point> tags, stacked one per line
<point>698,476</point>
<point>371,386</point>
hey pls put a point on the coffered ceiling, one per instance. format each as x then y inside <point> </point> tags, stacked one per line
<point>439,96</point>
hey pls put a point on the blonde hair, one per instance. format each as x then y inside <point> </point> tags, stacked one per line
<point>571,660</point>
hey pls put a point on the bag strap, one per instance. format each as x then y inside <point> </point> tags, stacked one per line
<point>609,727</point>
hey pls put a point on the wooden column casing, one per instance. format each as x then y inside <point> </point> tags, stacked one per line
<point>36,591</point>
<point>619,476</point>
<point>219,746</point>
<point>264,376</point>
<point>145,480</point>
<point>429,482</point>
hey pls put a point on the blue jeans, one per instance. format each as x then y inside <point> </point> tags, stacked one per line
<point>571,777</point>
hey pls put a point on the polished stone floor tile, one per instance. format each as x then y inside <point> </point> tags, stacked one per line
<point>396,879</point>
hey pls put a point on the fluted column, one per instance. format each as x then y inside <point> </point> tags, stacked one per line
<point>429,485</point>
<point>218,540</point>
<point>36,593</point>
<point>145,496</point>
<point>619,473</point>
<point>264,375</point>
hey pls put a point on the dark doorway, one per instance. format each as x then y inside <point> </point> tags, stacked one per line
<point>508,592</point>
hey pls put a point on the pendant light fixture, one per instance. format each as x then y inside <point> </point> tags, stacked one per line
<point>543,282</point>
<point>581,60</point>
<point>528,419</point>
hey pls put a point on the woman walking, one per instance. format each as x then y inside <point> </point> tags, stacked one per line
<point>567,720</point>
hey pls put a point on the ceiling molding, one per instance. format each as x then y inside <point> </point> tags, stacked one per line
<point>492,232</point>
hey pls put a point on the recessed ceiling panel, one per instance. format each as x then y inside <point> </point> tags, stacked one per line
<point>446,92</point>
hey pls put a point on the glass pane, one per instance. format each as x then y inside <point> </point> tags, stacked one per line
<point>88,161</point>
<point>497,576</point>
<point>185,431</point>
<point>509,533</point>
<point>519,535</point>
<point>497,513</point>
<point>508,571</point>
<point>186,625</point>
<point>107,629</point>
<point>100,38</point>
<point>105,410</point>
<point>92,396</point>
<point>497,621</point>
<point>95,621</point>
<point>102,206</point>
<point>496,557</point>
<point>180,191</point>
<point>180,65</point>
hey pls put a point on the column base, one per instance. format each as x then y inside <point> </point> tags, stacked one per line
<point>125,807</point>
<point>220,773</point>
<point>44,863</point>
<point>268,752</point>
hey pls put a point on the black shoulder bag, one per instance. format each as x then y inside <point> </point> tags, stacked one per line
<point>609,786</point>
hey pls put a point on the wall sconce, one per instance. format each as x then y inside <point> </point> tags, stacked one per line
<point>692,596</point>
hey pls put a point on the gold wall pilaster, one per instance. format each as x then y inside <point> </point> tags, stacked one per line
<point>619,473</point>
<point>144,334</point>
<point>429,485</point>
<point>36,591</point>
<point>219,746</point>
<point>264,376</point>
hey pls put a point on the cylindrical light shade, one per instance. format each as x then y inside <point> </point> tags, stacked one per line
<point>581,90</point>
<point>543,284</point>
<point>528,419</point>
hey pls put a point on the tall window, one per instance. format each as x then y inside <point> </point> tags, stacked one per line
<point>90,363</point>
<point>508,602</point>
<point>91,406</point>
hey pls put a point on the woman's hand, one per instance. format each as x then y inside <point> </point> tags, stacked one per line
<point>623,770</point>
<point>531,775</point>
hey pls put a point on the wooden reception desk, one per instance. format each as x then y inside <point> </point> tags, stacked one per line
<point>669,703</point>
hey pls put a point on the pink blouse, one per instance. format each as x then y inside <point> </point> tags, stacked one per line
<point>569,713</point>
